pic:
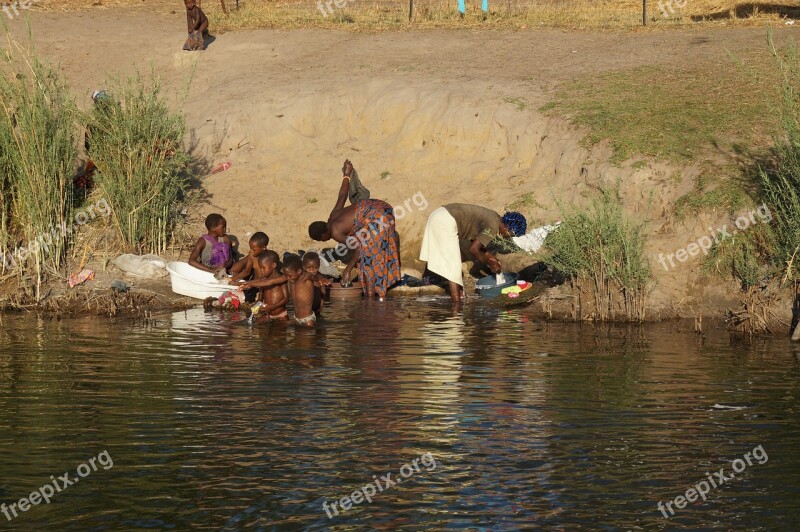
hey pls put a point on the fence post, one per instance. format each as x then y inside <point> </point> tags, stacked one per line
<point>644,12</point>
<point>410,9</point>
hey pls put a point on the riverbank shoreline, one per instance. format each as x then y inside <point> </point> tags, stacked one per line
<point>554,302</point>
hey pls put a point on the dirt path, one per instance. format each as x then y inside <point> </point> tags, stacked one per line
<point>103,41</point>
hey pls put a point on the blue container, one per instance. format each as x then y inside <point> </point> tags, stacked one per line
<point>488,287</point>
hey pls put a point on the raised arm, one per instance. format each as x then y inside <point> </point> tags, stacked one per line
<point>344,190</point>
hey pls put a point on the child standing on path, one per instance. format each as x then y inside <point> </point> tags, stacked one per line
<point>197,24</point>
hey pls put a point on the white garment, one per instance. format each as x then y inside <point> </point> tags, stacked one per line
<point>440,247</point>
<point>147,266</point>
<point>534,240</point>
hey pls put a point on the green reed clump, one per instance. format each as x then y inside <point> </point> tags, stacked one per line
<point>769,252</point>
<point>37,155</point>
<point>780,190</point>
<point>603,246</point>
<point>135,141</point>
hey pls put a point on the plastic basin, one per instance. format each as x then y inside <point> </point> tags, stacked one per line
<point>488,287</point>
<point>191,282</point>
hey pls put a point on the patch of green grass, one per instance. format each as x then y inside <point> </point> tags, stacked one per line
<point>674,114</point>
<point>726,195</point>
<point>311,200</point>
<point>526,201</point>
<point>520,103</point>
<point>385,174</point>
<point>638,165</point>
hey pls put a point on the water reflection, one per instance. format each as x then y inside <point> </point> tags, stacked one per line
<point>216,422</point>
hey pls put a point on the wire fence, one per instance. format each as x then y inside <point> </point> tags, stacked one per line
<point>549,13</point>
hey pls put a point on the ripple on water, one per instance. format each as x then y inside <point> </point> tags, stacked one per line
<point>213,422</point>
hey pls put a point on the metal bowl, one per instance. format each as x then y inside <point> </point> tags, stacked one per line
<point>350,293</point>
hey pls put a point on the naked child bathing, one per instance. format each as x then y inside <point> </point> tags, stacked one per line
<point>311,263</point>
<point>301,286</point>
<point>273,290</point>
<point>301,289</point>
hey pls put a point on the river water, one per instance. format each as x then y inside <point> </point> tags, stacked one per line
<point>483,419</point>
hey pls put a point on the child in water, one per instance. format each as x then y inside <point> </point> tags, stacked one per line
<point>301,286</point>
<point>301,289</point>
<point>273,297</point>
<point>248,267</point>
<point>212,252</point>
<point>197,24</point>
<point>321,283</point>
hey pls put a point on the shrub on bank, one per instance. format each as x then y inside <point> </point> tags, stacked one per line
<point>603,247</point>
<point>764,259</point>
<point>136,143</point>
<point>768,253</point>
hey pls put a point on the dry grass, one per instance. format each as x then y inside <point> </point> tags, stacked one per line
<point>382,15</point>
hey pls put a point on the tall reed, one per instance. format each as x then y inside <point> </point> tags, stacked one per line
<point>136,143</point>
<point>603,246</point>
<point>37,155</point>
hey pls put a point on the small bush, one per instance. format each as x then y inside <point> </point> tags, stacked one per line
<point>136,143</point>
<point>601,245</point>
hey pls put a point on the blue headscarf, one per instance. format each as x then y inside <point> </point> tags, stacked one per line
<point>515,222</point>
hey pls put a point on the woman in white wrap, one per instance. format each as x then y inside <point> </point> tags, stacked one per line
<point>458,226</point>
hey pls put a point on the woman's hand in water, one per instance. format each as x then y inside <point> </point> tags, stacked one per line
<point>347,169</point>
<point>346,282</point>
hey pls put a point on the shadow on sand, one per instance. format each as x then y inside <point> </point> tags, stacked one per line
<point>749,9</point>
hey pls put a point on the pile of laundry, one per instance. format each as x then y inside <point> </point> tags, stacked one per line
<point>513,292</point>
